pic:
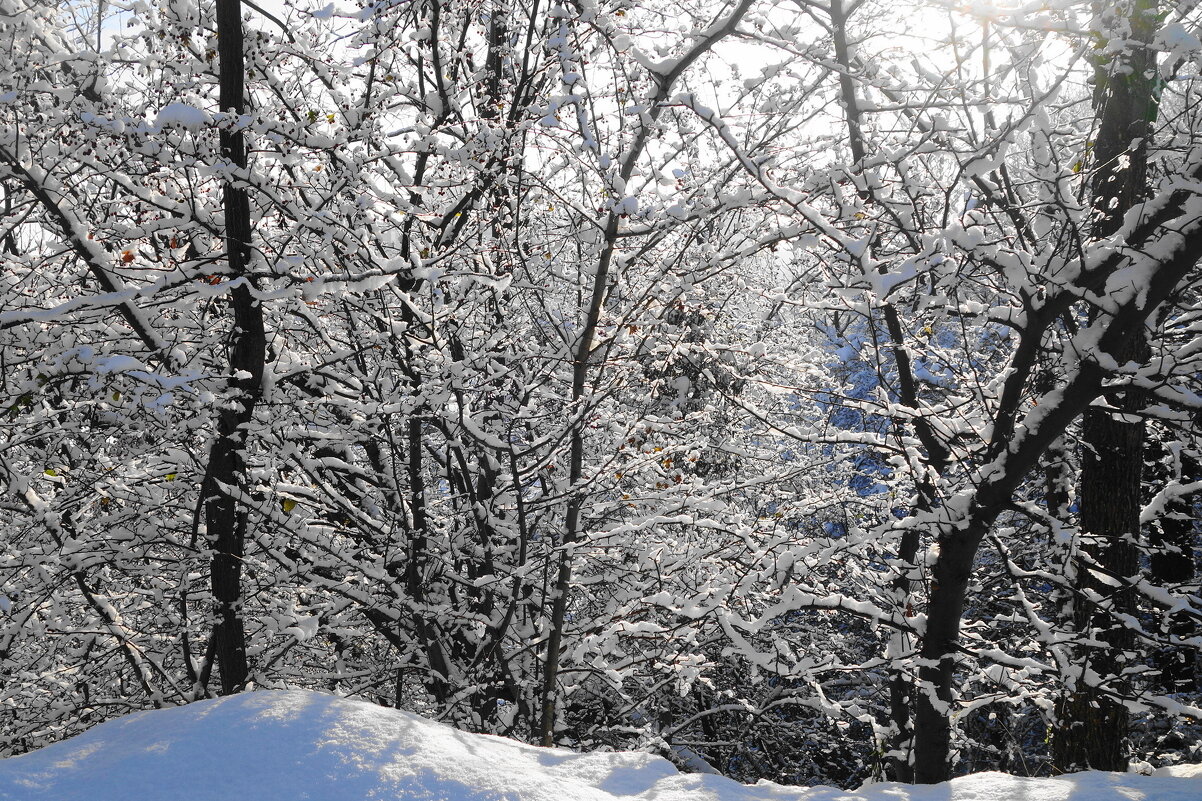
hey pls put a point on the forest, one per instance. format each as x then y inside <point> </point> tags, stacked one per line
<point>802,390</point>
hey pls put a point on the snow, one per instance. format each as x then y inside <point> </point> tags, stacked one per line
<point>1180,771</point>
<point>119,364</point>
<point>182,115</point>
<point>294,745</point>
<point>1176,39</point>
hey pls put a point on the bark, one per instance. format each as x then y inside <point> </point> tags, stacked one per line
<point>225,521</point>
<point>940,644</point>
<point>1092,725</point>
<point>900,743</point>
<point>847,87</point>
<point>901,685</point>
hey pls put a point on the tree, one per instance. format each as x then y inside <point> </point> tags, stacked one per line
<point>898,242</point>
<point>1094,724</point>
<point>582,373</point>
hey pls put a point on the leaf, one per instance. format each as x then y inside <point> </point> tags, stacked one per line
<point>170,477</point>
<point>288,504</point>
<point>23,402</point>
<point>50,471</point>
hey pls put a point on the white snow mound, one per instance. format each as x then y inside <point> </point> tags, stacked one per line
<point>295,745</point>
<point>183,115</point>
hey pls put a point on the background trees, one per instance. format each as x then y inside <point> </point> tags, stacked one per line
<point>701,379</point>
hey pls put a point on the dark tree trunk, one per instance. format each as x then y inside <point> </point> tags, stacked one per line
<point>225,520</point>
<point>934,695</point>
<point>1092,725</point>
<point>901,685</point>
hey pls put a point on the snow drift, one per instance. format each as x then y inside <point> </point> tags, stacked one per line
<point>294,745</point>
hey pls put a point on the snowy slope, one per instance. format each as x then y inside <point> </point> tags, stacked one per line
<point>293,745</point>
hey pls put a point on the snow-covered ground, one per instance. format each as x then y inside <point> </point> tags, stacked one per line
<point>295,745</point>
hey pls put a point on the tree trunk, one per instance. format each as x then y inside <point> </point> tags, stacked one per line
<point>1093,726</point>
<point>225,522</point>
<point>901,685</point>
<point>940,643</point>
